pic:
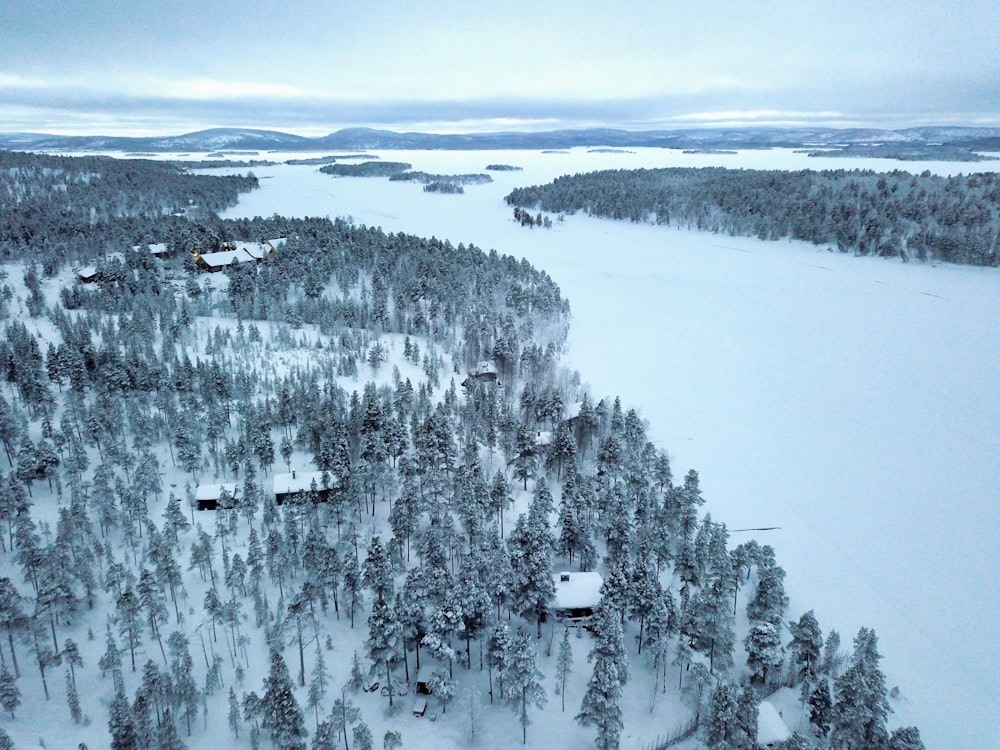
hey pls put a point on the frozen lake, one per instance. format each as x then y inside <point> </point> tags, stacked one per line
<point>852,402</point>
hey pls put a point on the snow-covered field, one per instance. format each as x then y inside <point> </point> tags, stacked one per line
<point>851,402</point>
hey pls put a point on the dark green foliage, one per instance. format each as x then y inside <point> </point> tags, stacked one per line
<point>366,169</point>
<point>280,712</point>
<point>890,214</point>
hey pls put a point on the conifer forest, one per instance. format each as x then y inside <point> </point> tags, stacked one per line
<point>158,588</point>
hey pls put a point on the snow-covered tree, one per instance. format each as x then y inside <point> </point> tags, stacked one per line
<point>861,703</point>
<point>806,646</point>
<point>10,696</point>
<point>764,653</point>
<point>601,705</point>
<point>279,710</point>
<point>564,665</point>
<point>523,680</point>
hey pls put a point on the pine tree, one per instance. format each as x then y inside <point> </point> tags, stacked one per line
<point>601,706</point>
<point>343,715</point>
<point>906,738</point>
<point>325,737</point>
<point>234,712</point>
<point>820,703</point>
<point>721,722</point>
<point>831,654</point>
<point>385,642</point>
<point>806,645</point>
<point>764,653</point>
<point>523,680</point>
<point>320,679</point>
<point>363,739</point>
<point>861,705</point>
<point>10,696</point>
<point>167,737</point>
<point>120,724</point>
<point>280,712</point>
<point>564,664</point>
<point>185,691</point>
<point>112,658</point>
<point>392,741</point>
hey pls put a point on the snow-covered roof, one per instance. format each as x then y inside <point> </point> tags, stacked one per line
<point>87,272</point>
<point>770,726</point>
<point>582,589</point>
<point>228,257</point>
<point>543,438</point>
<point>212,490</point>
<point>156,248</point>
<point>485,368</point>
<point>300,481</point>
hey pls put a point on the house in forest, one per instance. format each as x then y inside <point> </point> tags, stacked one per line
<point>215,495</point>
<point>577,595</point>
<point>316,486</point>
<point>87,275</point>
<point>237,252</point>
<point>484,372</point>
<point>156,249</point>
<point>771,727</point>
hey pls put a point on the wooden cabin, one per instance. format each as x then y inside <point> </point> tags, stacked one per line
<point>308,484</point>
<point>216,495</point>
<point>577,595</point>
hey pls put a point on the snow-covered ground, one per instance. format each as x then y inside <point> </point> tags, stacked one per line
<point>851,402</point>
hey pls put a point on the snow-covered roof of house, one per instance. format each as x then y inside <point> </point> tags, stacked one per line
<point>87,272</point>
<point>543,438</point>
<point>485,368</point>
<point>156,248</point>
<point>212,490</point>
<point>228,257</point>
<point>256,250</point>
<point>300,481</point>
<point>581,589</point>
<point>770,726</point>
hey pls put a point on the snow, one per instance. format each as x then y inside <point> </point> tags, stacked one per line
<point>582,589</point>
<point>299,481</point>
<point>213,490</point>
<point>850,402</point>
<point>770,726</point>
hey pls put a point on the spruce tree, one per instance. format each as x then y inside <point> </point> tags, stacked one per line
<point>280,712</point>
<point>601,705</point>
<point>564,664</point>
<point>861,704</point>
<point>523,680</point>
<point>10,696</point>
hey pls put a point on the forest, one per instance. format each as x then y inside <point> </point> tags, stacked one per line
<point>457,493</point>
<point>893,214</point>
<point>366,169</point>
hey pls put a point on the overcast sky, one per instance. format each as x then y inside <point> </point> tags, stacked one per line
<point>313,66</point>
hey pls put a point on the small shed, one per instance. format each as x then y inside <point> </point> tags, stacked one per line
<point>87,274</point>
<point>484,372</point>
<point>214,495</point>
<point>577,595</point>
<point>316,485</point>
<point>771,728</point>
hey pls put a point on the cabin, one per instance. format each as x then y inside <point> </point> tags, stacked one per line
<point>771,727</point>
<point>309,484</point>
<point>157,249</point>
<point>577,596</point>
<point>484,372</point>
<point>237,252</point>
<point>216,495</point>
<point>87,275</point>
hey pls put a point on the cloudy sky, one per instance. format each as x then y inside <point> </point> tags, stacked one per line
<point>313,66</point>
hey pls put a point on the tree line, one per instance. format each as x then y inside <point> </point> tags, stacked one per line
<point>891,214</point>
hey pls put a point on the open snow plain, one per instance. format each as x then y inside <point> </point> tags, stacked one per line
<point>852,402</point>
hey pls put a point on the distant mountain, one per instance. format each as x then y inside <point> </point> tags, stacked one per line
<point>360,139</point>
